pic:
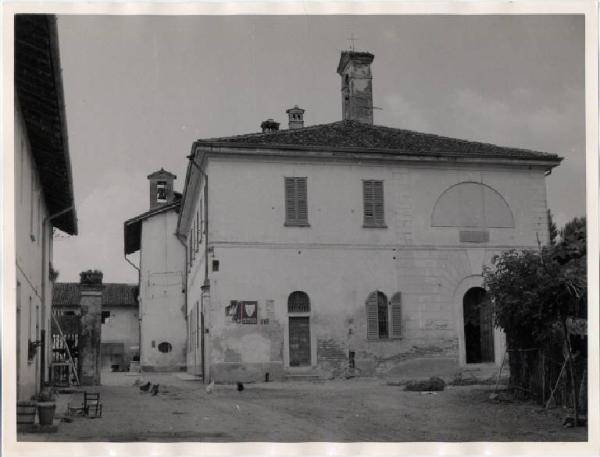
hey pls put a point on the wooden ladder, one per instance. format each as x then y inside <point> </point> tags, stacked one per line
<point>71,361</point>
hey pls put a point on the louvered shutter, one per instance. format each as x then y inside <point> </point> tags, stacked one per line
<point>201,228</point>
<point>301,202</point>
<point>368,202</point>
<point>373,202</point>
<point>296,201</point>
<point>378,202</point>
<point>372,317</point>
<point>396,315</point>
<point>290,200</point>
<point>198,231</point>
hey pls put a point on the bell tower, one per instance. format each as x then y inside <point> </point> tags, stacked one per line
<point>161,188</point>
<point>357,88</point>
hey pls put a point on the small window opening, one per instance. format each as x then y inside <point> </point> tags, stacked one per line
<point>215,265</point>
<point>298,302</point>
<point>161,191</point>
<point>165,347</point>
<point>105,316</point>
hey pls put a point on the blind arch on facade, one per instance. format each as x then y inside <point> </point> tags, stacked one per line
<point>298,302</point>
<point>471,205</point>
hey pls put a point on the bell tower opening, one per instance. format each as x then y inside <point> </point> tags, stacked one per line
<point>161,188</point>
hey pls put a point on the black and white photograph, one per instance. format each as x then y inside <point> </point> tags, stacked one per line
<point>292,228</point>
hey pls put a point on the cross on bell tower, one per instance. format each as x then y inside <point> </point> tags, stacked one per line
<point>352,41</point>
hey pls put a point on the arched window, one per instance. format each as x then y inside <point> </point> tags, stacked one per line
<point>298,302</point>
<point>384,319</point>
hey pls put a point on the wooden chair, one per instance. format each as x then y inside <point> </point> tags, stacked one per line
<point>91,402</point>
<point>91,406</point>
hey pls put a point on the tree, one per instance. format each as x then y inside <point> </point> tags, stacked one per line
<point>534,292</point>
<point>552,229</point>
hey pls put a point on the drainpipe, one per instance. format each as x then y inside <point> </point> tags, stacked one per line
<point>181,239</point>
<point>139,308</point>
<point>43,294</point>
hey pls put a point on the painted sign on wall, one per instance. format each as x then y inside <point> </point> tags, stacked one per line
<point>242,312</point>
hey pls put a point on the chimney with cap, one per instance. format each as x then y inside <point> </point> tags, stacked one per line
<point>357,89</point>
<point>296,117</point>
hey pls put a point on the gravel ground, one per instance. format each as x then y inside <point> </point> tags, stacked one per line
<point>353,410</point>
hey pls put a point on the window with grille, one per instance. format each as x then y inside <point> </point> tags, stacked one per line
<point>384,318</point>
<point>298,302</point>
<point>296,202</point>
<point>373,203</point>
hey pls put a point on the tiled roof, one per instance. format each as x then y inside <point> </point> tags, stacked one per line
<point>358,137</point>
<point>132,228</point>
<point>113,294</point>
<point>39,91</point>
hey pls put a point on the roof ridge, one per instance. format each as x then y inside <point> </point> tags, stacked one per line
<point>275,133</point>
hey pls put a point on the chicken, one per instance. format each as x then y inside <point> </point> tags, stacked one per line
<point>146,387</point>
<point>210,387</point>
<point>240,386</point>
<point>154,390</point>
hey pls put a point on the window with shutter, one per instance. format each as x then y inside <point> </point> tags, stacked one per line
<point>396,315</point>
<point>372,332</point>
<point>193,240</point>
<point>377,316</point>
<point>198,231</point>
<point>296,202</point>
<point>190,247</point>
<point>373,204</point>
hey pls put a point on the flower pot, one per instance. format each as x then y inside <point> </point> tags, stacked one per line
<point>26,411</point>
<point>46,412</point>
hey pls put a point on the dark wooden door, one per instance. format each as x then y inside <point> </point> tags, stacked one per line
<point>299,341</point>
<point>479,329</point>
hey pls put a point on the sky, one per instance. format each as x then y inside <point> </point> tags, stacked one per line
<point>140,89</point>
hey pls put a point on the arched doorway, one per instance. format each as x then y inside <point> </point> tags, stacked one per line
<point>299,328</point>
<point>479,328</point>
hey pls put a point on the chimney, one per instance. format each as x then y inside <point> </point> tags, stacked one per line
<point>269,126</point>
<point>295,117</point>
<point>161,188</point>
<point>90,300</point>
<point>357,89</point>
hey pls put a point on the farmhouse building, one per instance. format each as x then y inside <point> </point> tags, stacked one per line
<point>350,247</point>
<point>338,249</point>
<point>43,191</point>
<point>161,271</point>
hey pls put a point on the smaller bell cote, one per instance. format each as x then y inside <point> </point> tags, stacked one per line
<point>161,188</point>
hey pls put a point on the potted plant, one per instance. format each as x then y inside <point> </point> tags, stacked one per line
<point>46,406</point>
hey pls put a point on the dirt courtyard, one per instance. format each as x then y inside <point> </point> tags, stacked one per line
<point>354,410</point>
